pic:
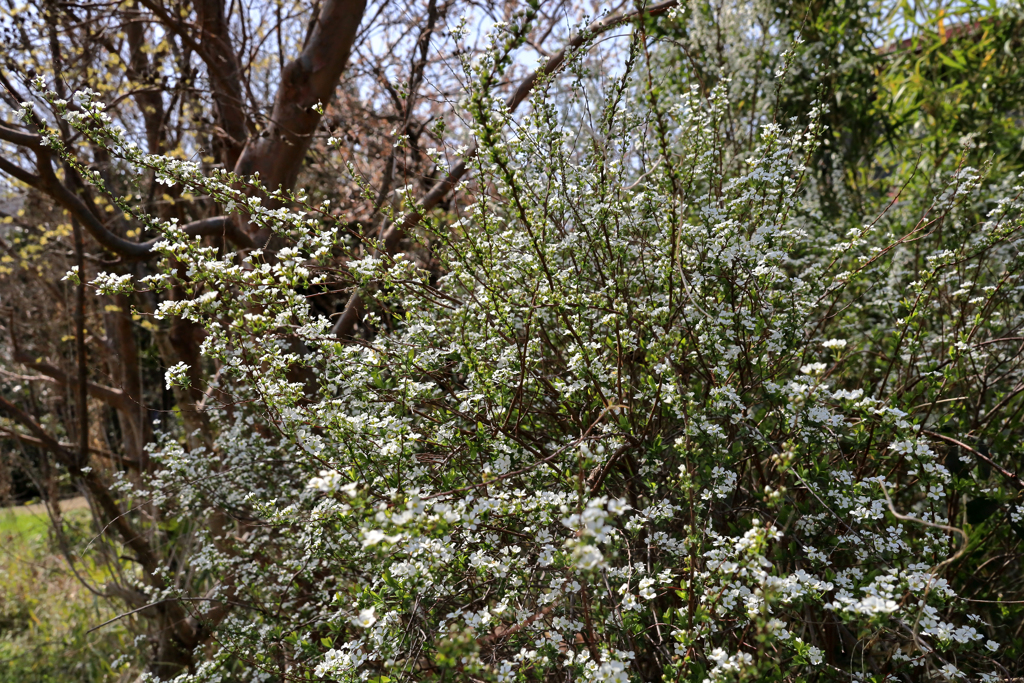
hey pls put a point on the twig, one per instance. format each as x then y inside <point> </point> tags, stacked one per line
<point>1013,478</point>
<point>944,527</point>
<point>165,601</point>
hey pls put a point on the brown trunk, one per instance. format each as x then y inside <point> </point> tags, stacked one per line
<point>225,79</point>
<point>132,414</point>
<point>150,102</point>
<point>278,152</point>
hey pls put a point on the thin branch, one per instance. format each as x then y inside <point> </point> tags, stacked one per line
<point>918,520</point>
<point>1010,476</point>
<point>81,354</point>
<point>16,137</point>
<point>38,443</point>
<point>171,600</point>
<point>18,172</point>
<point>393,234</point>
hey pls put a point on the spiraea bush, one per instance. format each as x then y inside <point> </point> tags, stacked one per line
<point>647,413</point>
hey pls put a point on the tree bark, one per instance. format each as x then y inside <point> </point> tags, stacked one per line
<point>277,153</point>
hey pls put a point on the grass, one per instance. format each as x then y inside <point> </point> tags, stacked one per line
<point>24,525</point>
<point>15,528</point>
<point>45,612</point>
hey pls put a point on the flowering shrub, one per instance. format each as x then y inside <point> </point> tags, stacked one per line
<point>649,416</point>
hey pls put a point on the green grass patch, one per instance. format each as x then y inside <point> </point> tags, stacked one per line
<point>46,613</point>
<point>20,526</point>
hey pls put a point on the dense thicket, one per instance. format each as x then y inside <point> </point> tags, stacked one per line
<point>709,369</point>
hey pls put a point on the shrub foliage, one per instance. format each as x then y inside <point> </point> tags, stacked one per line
<point>650,407</point>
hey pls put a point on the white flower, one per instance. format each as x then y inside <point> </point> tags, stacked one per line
<point>328,481</point>
<point>836,344</point>
<point>366,618</point>
<point>813,368</point>
<point>177,375</point>
<point>950,671</point>
<point>375,536</point>
<point>992,645</point>
<point>617,506</point>
<point>608,672</point>
<point>587,557</point>
<point>108,283</point>
<point>1017,514</point>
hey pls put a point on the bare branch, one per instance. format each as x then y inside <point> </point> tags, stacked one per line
<point>1010,476</point>
<point>18,172</point>
<point>311,78</point>
<point>37,442</point>
<point>19,138</point>
<point>112,397</point>
<point>101,496</point>
<point>393,233</point>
